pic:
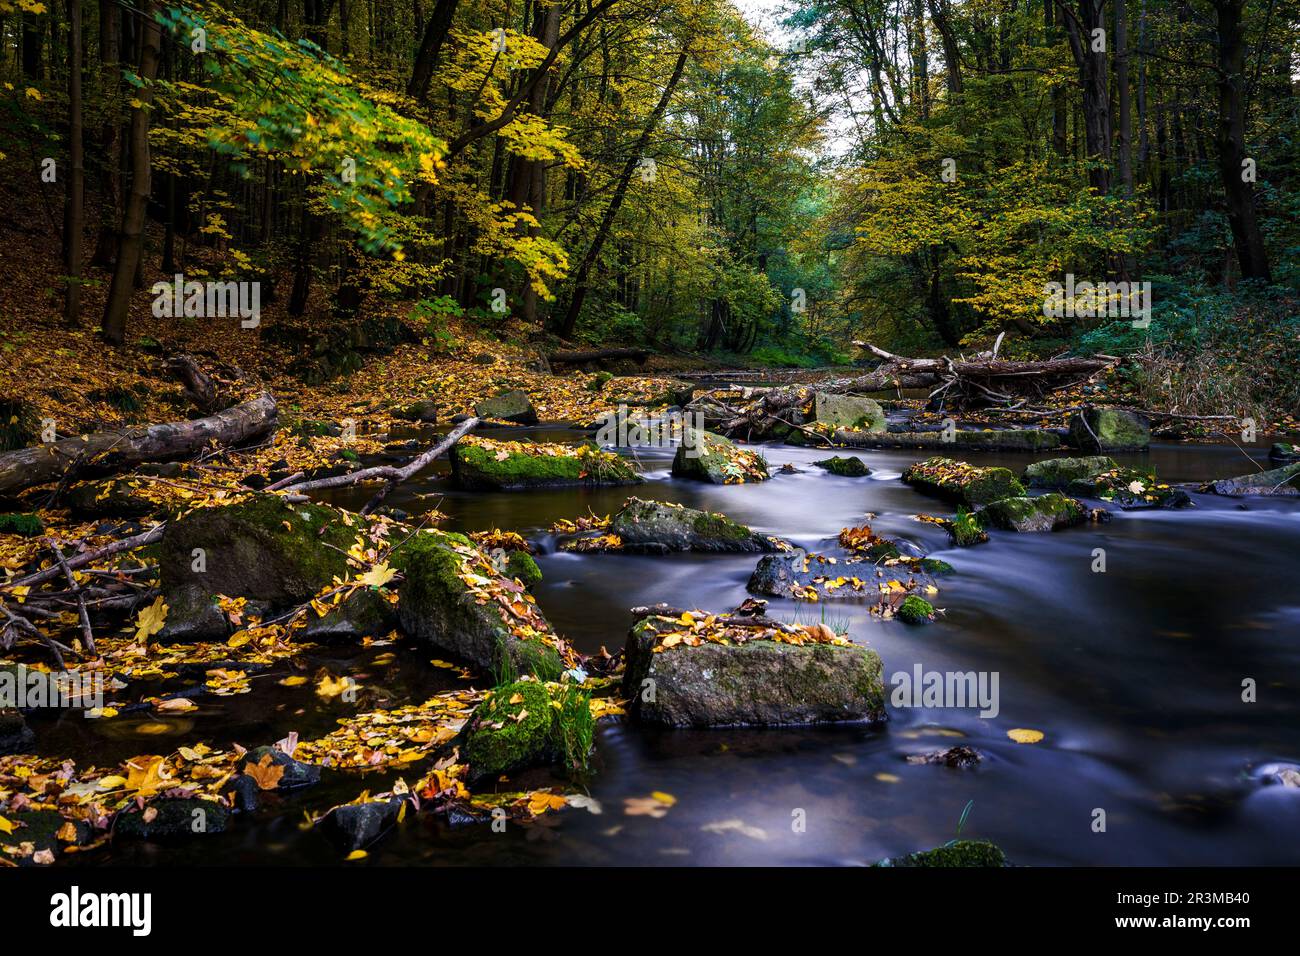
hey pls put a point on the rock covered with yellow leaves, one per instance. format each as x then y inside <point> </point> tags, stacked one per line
<point>704,671</point>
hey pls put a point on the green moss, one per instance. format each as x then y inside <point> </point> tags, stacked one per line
<point>966,529</point>
<point>850,467</point>
<point>915,610</point>
<point>521,565</point>
<point>476,466</point>
<point>967,484</point>
<point>524,723</point>
<point>26,525</point>
<point>978,853</point>
<point>712,525</point>
<point>935,566</point>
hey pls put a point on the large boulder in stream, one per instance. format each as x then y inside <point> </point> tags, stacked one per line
<point>276,554</point>
<point>863,415</point>
<point>456,600</point>
<point>1132,489</point>
<point>1059,472</point>
<point>705,456</point>
<point>512,406</point>
<point>1102,430</point>
<point>758,682</point>
<point>1284,481</point>
<point>1050,512</point>
<point>962,483</point>
<point>846,467</point>
<point>661,526</point>
<point>480,464</point>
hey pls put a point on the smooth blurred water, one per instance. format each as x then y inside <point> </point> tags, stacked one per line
<point>1134,676</point>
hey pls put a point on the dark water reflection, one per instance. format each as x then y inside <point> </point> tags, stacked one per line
<point>1133,675</point>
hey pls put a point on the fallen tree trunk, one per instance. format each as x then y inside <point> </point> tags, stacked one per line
<point>598,355</point>
<point>107,452</point>
<point>980,381</point>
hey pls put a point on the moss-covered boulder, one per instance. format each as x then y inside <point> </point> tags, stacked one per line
<point>514,728</point>
<point>365,613</point>
<point>276,554</point>
<point>15,736</point>
<point>424,410</point>
<point>704,456</point>
<point>479,464</point>
<point>963,483</point>
<point>171,819</point>
<point>522,567</point>
<point>661,526</point>
<point>1059,472</point>
<point>915,610</point>
<point>1284,481</point>
<point>755,683</point>
<point>1102,430</point>
<point>527,723</point>
<point>510,406</point>
<point>979,853</point>
<point>1131,489</point>
<point>1050,512</point>
<point>846,467</point>
<point>848,411</point>
<point>23,524</point>
<point>1284,451</point>
<point>456,600</point>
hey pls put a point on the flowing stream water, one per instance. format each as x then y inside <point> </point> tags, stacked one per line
<point>1134,676</point>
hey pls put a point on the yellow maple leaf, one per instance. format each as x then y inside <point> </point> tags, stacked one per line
<point>378,576</point>
<point>150,621</point>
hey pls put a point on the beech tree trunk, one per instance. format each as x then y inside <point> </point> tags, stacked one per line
<point>74,202</point>
<point>133,218</point>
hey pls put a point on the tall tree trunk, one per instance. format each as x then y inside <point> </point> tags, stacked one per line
<point>583,273</point>
<point>110,135</point>
<point>1124,143</point>
<point>133,218</point>
<point>426,58</point>
<point>1090,57</point>
<point>74,216</point>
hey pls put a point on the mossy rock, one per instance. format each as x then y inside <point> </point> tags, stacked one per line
<point>978,853</point>
<point>915,610</point>
<point>365,613</point>
<point>758,683</point>
<point>25,525</point>
<point>966,484</point>
<point>521,566</point>
<point>1059,472</point>
<point>863,415</point>
<point>437,607</point>
<point>476,467</point>
<point>1101,430</point>
<point>1130,488</point>
<point>1050,512</point>
<point>174,819</point>
<point>847,467</point>
<point>659,526</point>
<point>41,828</point>
<point>1284,481</point>
<point>424,410</point>
<point>499,741</point>
<point>276,554</point>
<point>510,406</point>
<point>1284,451</point>
<point>704,456</point>
<point>935,566</point>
